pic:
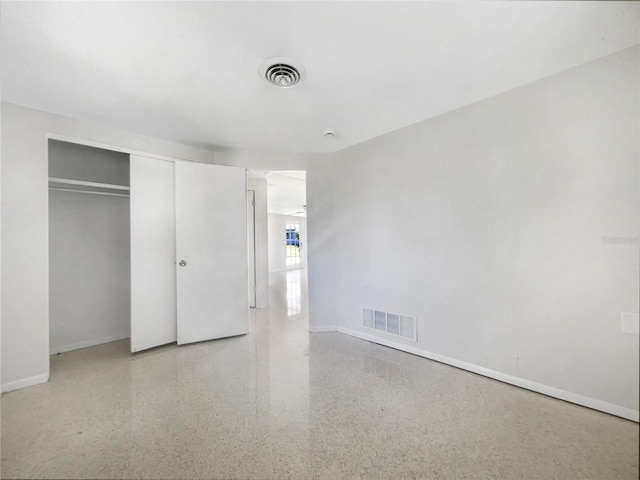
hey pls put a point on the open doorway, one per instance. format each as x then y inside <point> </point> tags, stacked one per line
<point>276,211</point>
<point>287,207</point>
<point>276,215</point>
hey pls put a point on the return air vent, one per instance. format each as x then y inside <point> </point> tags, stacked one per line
<point>391,323</point>
<point>282,72</point>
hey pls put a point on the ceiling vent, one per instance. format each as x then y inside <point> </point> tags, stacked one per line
<point>282,72</point>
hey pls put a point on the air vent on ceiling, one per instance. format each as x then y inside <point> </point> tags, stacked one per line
<point>282,72</point>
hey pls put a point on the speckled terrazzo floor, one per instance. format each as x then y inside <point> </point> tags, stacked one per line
<point>281,403</point>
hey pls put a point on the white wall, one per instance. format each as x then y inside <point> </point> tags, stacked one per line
<point>323,245</point>
<point>24,245</point>
<point>261,241</point>
<point>487,224</point>
<point>278,241</point>
<point>270,161</point>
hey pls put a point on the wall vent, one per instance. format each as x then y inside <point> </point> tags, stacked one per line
<point>391,323</point>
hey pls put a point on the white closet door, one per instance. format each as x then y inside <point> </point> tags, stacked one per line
<point>153,253</point>
<point>211,242</point>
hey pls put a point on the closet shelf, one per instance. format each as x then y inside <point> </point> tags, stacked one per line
<point>93,192</point>
<point>82,183</point>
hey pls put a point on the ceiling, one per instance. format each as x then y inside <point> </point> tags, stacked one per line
<point>189,71</point>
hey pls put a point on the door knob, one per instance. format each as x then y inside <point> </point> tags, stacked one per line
<point>183,263</point>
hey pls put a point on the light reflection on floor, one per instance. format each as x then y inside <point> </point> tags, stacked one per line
<point>287,292</point>
<point>294,292</point>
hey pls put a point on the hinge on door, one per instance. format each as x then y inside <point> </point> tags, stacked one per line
<point>253,203</point>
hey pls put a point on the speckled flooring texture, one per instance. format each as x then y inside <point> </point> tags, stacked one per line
<point>283,403</point>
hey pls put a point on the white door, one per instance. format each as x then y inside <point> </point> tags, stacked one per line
<point>153,253</point>
<point>211,246</point>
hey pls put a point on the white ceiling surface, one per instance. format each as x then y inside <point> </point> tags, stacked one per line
<point>286,191</point>
<point>188,71</point>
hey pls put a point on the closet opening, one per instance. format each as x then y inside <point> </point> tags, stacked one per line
<point>139,248</point>
<point>89,246</point>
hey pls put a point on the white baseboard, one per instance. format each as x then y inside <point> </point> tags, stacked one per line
<point>86,343</point>
<point>25,382</point>
<point>593,403</point>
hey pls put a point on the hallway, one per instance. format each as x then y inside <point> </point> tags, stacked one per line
<point>283,403</point>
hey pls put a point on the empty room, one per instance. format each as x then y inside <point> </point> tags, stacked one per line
<point>320,239</point>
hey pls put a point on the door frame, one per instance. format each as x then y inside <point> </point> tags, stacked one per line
<point>251,246</point>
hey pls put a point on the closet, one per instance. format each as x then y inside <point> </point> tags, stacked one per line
<point>150,249</point>
<point>89,268</point>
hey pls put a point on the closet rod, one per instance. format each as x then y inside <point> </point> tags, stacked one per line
<point>91,192</point>
<point>83,183</point>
